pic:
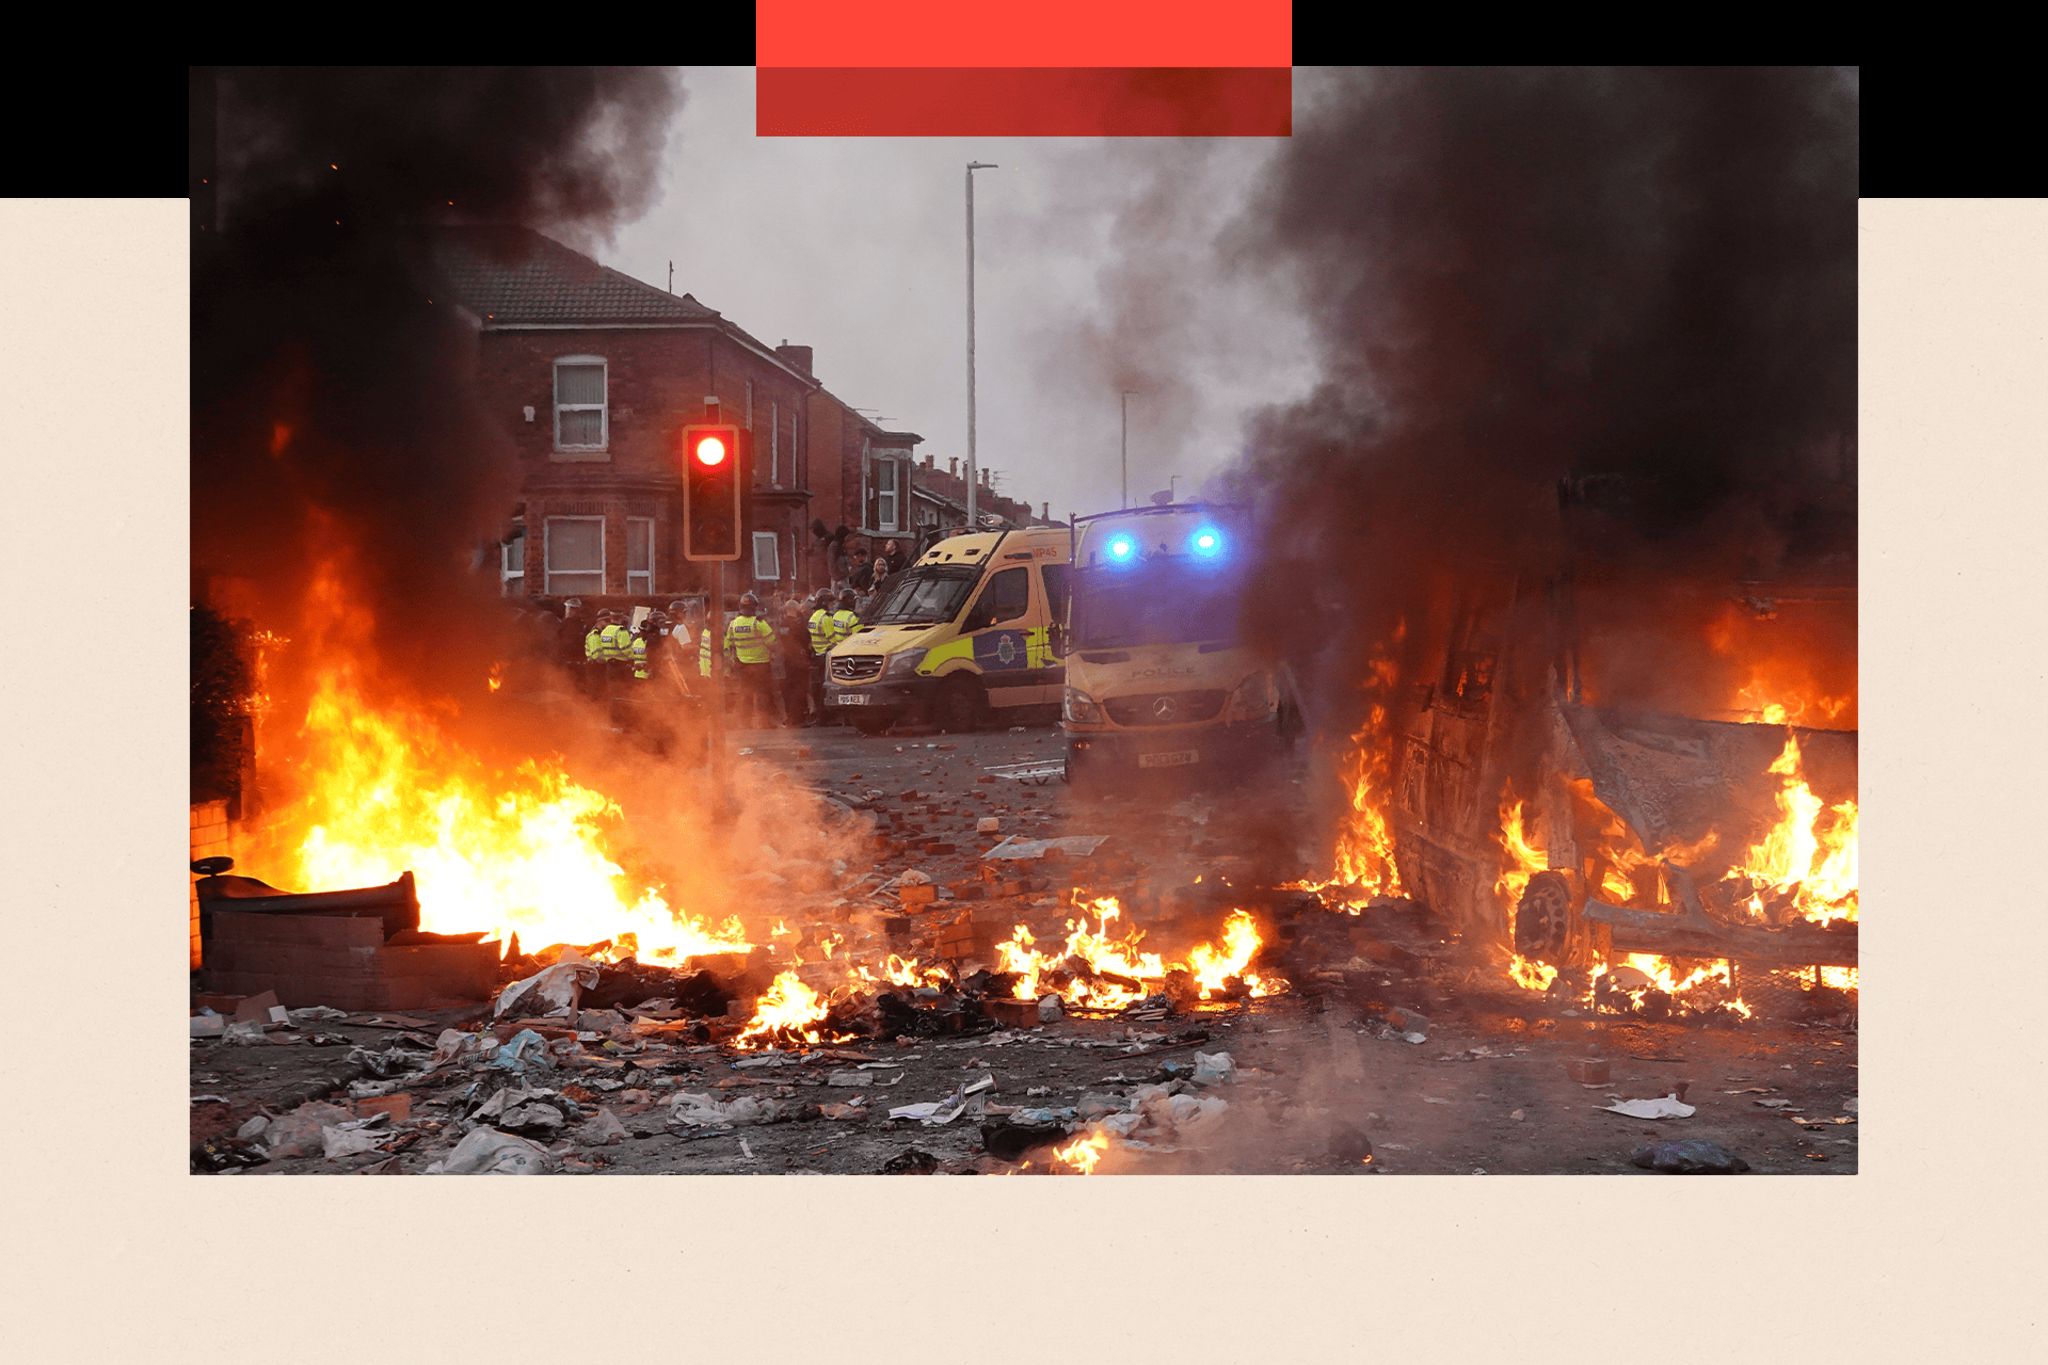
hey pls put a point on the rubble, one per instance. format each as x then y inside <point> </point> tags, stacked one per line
<point>1690,1157</point>
<point>301,1132</point>
<point>486,1151</point>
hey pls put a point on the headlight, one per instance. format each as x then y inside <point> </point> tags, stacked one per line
<point>1080,709</point>
<point>904,664</point>
<point>1254,699</point>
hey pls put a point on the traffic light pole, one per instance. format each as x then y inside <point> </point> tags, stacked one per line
<point>714,611</point>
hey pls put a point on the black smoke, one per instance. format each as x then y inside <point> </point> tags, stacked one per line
<point>1638,282</point>
<point>331,383</point>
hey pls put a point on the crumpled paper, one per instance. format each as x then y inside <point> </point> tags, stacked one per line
<point>486,1151</point>
<point>1669,1107</point>
<point>520,1109</point>
<point>552,990</point>
<point>695,1109</point>
<point>355,1137</point>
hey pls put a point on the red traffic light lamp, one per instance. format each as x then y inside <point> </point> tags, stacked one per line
<point>711,492</point>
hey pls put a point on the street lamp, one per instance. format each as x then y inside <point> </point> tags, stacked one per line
<point>1124,444</point>
<point>972,167</point>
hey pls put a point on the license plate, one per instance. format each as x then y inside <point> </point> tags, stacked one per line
<point>1178,758</point>
<point>852,699</point>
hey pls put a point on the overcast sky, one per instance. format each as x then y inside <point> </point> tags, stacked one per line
<point>1094,274</point>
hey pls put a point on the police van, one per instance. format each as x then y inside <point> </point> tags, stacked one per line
<point>962,636</point>
<point>1156,677</point>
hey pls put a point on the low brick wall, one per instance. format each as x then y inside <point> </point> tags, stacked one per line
<point>343,961</point>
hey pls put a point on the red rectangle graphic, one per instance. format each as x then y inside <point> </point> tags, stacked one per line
<point>1043,33</point>
<point>1023,102</point>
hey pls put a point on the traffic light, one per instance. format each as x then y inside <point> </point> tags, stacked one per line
<point>711,492</point>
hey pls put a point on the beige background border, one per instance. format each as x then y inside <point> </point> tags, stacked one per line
<point>1933,1251</point>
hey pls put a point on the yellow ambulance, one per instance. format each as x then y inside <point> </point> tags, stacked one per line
<point>962,636</point>
<point>1156,676</point>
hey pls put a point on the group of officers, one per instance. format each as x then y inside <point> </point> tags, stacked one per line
<point>613,647</point>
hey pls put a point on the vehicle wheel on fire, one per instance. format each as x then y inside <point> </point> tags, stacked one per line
<point>1544,918</point>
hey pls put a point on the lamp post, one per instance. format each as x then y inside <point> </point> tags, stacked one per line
<point>972,167</point>
<point>1124,445</point>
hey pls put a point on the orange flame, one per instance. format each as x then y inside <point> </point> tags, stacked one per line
<point>1806,856</point>
<point>1083,1154</point>
<point>384,788</point>
<point>1365,846</point>
<point>788,1012</point>
<point>1520,859</point>
<point>902,971</point>
<point>1136,974</point>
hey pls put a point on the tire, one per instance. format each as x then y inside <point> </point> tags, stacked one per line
<point>958,706</point>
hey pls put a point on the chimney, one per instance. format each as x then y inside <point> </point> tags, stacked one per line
<point>796,357</point>
<point>1045,511</point>
<point>953,467</point>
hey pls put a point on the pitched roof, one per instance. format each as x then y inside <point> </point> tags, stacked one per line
<point>509,274</point>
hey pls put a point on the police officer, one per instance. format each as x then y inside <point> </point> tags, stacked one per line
<point>642,638</point>
<point>845,621</point>
<point>748,638</point>
<point>823,637</point>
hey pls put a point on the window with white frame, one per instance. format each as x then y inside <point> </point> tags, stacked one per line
<point>512,565</point>
<point>572,553</point>
<point>580,417</point>
<point>640,555</point>
<point>767,562</point>
<point>886,474</point>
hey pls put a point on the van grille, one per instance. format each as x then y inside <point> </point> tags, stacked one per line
<point>1179,708</point>
<point>853,668</point>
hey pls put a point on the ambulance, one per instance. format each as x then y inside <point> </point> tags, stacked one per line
<point>961,637</point>
<point>1156,677</point>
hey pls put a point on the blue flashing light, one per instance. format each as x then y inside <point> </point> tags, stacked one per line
<point>1207,542</point>
<point>1121,548</point>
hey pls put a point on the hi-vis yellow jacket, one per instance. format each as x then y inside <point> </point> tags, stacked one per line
<point>748,638</point>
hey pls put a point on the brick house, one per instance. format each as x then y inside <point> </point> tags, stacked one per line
<point>939,501</point>
<point>592,375</point>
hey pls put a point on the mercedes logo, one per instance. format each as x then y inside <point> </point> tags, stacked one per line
<point>1162,708</point>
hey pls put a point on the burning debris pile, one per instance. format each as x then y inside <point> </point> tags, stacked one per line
<point>585,1047</point>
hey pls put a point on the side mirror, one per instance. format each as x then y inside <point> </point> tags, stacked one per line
<point>1056,638</point>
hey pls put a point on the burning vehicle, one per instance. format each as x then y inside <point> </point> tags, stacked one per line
<point>1647,792</point>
